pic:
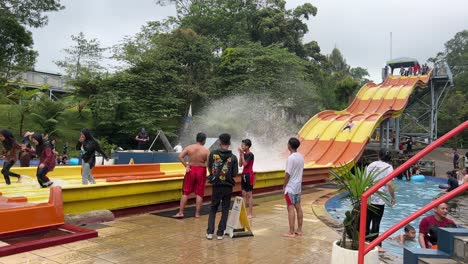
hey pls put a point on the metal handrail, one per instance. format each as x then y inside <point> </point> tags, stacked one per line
<point>363,249</point>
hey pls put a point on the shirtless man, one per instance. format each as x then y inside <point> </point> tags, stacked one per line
<point>195,173</point>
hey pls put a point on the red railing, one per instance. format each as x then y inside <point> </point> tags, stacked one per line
<point>363,249</point>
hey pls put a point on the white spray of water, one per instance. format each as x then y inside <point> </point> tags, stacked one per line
<point>59,182</point>
<point>257,118</point>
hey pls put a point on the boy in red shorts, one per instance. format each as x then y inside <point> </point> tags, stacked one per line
<point>195,173</point>
<point>248,175</point>
<point>293,186</point>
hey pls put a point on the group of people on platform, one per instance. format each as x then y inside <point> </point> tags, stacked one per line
<point>45,151</point>
<point>415,70</point>
<point>222,166</point>
<point>13,151</point>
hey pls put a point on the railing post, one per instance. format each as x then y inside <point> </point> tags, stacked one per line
<point>362,229</point>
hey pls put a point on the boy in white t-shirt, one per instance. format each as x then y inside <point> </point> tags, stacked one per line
<point>292,187</point>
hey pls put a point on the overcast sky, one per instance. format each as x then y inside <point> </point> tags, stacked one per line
<point>360,28</point>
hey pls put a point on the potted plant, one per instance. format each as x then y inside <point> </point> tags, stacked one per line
<point>352,183</point>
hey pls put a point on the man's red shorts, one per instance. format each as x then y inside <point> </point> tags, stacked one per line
<point>194,181</point>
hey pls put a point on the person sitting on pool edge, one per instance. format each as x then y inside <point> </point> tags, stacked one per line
<point>438,219</point>
<point>409,235</point>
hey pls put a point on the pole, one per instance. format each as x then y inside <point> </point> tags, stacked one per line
<point>397,136</point>
<point>159,131</point>
<point>387,134</point>
<point>381,135</point>
<point>433,109</point>
<point>391,55</point>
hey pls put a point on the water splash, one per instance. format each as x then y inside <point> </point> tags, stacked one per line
<point>59,182</point>
<point>258,118</point>
<point>25,179</point>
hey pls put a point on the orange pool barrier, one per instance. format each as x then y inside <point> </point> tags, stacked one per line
<point>27,226</point>
<point>134,172</point>
<point>16,214</point>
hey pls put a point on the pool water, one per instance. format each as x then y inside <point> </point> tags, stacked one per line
<point>410,196</point>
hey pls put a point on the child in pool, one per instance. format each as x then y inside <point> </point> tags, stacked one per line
<point>409,235</point>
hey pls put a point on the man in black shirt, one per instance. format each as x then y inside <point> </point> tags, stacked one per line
<point>142,139</point>
<point>224,166</point>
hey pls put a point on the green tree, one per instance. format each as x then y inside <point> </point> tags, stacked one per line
<point>337,62</point>
<point>312,53</point>
<point>30,12</point>
<point>231,22</point>
<point>21,100</point>
<point>84,56</point>
<point>127,101</point>
<point>273,71</point>
<point>345,89</point>
<point>165,72</point>
<point>455,53</point>
<point>16,47</point>
<point>182,58</point>
<point>16,43</point>
<point>82,64</point>
<point>359,75</point>
<point>46,113</point>
<point>454,110</point>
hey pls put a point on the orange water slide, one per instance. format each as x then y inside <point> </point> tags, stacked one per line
<point>325,142</point>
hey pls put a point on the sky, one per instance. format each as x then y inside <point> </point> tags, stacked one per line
<point>360,29</point>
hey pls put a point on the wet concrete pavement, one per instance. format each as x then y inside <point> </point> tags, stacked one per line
<point>148,238</point>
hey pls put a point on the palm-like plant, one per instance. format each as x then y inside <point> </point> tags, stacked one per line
<point>353,182</point>
<point>46,113</point>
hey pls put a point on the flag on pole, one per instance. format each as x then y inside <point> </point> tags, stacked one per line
<point>189,116</point>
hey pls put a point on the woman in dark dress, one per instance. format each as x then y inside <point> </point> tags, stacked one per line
<point>88,146</point>
<point>11,151</point>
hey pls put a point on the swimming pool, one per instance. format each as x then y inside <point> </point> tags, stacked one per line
<point>410,196</point>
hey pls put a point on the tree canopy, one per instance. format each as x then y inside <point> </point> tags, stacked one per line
<point>454,111</point>
<point>16,42</point>
<point>211,50</point>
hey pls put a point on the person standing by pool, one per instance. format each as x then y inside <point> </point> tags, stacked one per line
<point>409,146</point>
<point>195,174</point>
<point>292,188</point>
<point>224,165</point>
<point>142,139</point>
<point>11,150</point>
<point>88,146</point>
<point>438,219</point>
<point>46,159</point>
<point>248,176</point>
<point>456,158</point>
<point>380,168</point>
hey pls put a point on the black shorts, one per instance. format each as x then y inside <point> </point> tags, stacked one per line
<point>245,183</point>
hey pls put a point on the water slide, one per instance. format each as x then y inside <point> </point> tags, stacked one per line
<point>324,143</point>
